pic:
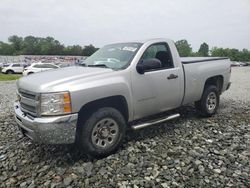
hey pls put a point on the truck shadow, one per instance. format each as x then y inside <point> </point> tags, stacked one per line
<point>186,112</point>
<point>65,155</point>
<point>68,155</point>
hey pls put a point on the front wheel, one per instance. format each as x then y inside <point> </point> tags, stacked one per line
<point>209,102</point>
<point>9,72</point>
<point>102,133</point>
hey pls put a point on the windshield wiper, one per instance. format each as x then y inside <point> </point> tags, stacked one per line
<point>82,64</point>
<point>98,65</point>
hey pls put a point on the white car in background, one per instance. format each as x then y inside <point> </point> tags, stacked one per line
<point>39,67</point>
<point>13,68</point>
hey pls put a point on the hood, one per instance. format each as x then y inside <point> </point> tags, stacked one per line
<point>46,81</point>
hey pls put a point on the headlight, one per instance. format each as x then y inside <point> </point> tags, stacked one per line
<point>55,103</point>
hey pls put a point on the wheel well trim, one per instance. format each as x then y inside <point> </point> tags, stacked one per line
<point>10,70</point>
<point>105,102</point>
<point>216,80</point>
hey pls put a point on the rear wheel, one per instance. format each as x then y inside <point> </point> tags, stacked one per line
<point>209,102</point>
<point>10,72</point>
<point>102,133</point>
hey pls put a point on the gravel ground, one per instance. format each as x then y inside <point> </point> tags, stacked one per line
<point>190,151</point>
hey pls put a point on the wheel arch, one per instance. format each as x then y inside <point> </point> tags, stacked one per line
<point>10,70</point>
<point>217,81</point>
<point>118,102</point>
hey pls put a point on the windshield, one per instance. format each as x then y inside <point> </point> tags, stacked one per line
<point>114,56</point>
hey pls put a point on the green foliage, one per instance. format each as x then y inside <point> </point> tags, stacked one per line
<point>73,50</point>
<point>233,54</point>
<point>183,48</point>
<point>16,43</point>
<point>31,45</point>
<point>245,55</point>
<point>6,49</point>
<point>5,77</point>
<point>195,54</point>
<point>204,50</point>
<point>88,50</point>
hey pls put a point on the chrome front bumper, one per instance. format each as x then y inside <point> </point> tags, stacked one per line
<point>48,130</point>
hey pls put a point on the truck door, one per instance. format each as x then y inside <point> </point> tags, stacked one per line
<point>160,89</point>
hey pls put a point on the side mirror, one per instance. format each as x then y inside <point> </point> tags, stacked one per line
<point>148,64</point>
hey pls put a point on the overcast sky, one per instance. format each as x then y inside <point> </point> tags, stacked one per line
<point>222,23</point>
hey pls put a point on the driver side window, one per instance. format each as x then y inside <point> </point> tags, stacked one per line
<point>161,52</point>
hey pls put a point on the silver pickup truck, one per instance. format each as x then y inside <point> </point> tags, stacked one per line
<point>93,104</point>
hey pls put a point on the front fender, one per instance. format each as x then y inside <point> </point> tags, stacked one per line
<point>98,89</point>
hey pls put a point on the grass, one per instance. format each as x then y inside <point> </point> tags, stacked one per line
<point>6,77</point>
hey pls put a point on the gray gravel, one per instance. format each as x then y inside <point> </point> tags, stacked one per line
<point>240,89</point>
<point>190,151</point>
<point>7,96</point>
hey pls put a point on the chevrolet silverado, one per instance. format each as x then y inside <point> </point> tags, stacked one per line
<point>93,104</point>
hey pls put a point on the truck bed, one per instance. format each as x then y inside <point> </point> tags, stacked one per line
<point>198,69</point>
<point>187,60</point>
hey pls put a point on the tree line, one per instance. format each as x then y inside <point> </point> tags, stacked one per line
<point>185,50</point>
<point>31,45</point>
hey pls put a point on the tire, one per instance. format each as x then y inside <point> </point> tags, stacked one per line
<point>9,72</point>
<point>30,73</point>
<point>102,133</point>
<point>208,104</point>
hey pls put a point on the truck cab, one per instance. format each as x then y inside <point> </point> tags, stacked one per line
<point>161,87</point>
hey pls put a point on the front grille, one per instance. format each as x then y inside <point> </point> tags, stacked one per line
<point>28,102</point>
<point>27,95</point>
<point>28,107</point>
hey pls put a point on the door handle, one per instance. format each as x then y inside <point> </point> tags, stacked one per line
<point>172,76</point>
